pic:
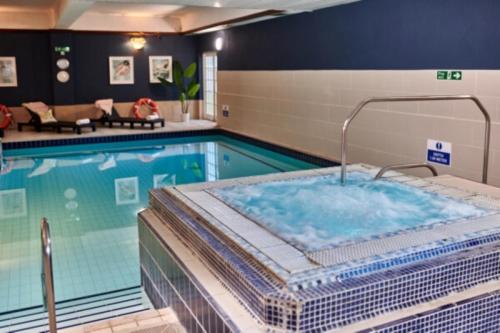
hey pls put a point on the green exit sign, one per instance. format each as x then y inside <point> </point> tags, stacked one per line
<point>449,75</point>
<point>62,50</point>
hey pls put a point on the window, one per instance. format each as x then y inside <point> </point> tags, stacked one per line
<point>209,85</point>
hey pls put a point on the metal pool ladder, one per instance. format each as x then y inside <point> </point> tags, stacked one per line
<point>405,167</point>
<point>361,105</point>
<point>47,276</point>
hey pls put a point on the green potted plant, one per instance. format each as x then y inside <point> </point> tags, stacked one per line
<point>185,82</point>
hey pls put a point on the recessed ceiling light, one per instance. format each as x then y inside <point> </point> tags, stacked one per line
<point>217,4</point>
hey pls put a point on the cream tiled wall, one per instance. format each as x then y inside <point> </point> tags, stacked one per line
<point>305,110</point>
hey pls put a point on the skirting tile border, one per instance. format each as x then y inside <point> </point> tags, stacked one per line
<point>319,161</point>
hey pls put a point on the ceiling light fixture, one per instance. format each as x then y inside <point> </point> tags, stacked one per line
<point>219,43</point>
<point>138,43</point>
<point>217,4</point>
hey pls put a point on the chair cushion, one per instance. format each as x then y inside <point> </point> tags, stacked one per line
<point>42,110</point>
<point>47,117</point>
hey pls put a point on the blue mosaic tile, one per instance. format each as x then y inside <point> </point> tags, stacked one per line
<point>478,314</point>
<point>334,304</point>
<point>168,283</point>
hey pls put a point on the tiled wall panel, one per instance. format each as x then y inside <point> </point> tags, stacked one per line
<point>305,110</point>
<point>168,284</point>
<point>470,316</point>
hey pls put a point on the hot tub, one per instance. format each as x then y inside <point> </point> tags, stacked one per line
<point>303,253</point>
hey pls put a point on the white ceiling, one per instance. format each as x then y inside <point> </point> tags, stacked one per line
<point>294,5</point>
<point>140,15</point>
<point>133,9</point>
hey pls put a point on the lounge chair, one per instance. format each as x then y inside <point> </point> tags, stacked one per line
<point>42,118</point>
<point>111,116</point>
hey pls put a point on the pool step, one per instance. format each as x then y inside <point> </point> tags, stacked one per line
<point>78,311</point>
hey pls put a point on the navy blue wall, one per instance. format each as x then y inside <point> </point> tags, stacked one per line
<point>32,53</point>
<point>370,34</point>
<point>35,56</point>
<point>91,60</point>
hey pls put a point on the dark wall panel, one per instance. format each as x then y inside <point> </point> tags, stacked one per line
<point>91,60</point>
<point>32,53</point>
<point>35,56</point>
<point>370,34</point>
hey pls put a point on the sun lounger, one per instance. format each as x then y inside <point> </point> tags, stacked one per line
<point>42,118</point>
<point>111,116</point>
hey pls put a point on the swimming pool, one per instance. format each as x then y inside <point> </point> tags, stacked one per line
<point>91,195</point>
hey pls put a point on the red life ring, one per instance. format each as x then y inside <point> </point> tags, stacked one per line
<point>144,101</point>
<point>7,116</point>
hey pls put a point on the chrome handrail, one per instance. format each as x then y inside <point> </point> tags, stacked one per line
<point>405,167</point>
<point>1,155</point>
<point>49,302</point>
<point>361,105</point>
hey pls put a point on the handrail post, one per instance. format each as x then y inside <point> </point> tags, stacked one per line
<point>357,110</point>
<point>49,302</point>
<point>405,167</point>
<point>1,155</point>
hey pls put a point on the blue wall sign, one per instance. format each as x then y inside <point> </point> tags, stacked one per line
<point>439,152</point>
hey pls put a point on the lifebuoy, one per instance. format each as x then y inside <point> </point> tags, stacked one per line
<point>7,116</point>
<point>144,101</point>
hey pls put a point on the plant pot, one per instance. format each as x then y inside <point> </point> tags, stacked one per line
<point>186,117</point>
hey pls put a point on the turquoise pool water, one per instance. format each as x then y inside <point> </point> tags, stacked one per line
<point>91,195</point>
<point>316,212</point>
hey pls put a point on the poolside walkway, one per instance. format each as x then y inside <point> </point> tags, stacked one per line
<point>151,321</point>
<point>12,135</point>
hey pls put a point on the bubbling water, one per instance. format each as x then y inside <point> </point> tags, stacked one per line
<point>317,211</point>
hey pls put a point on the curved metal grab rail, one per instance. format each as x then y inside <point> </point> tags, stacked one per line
<point>361,105</point>
<point>405,167</point>
<point>47,277</point>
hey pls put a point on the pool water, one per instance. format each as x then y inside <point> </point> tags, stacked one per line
<point>91,195</point>
<point>317,212</point>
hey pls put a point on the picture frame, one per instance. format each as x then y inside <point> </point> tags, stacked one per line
<point>121,70</point>
<point>13,203</point>
<point>164,180</point>
<point>160,66</point>
<point>8,72</point>
<point>127,191</point>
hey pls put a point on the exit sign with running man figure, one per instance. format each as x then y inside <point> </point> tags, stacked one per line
<point>450,75</point>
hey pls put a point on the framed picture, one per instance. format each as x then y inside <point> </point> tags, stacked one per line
<point>160,66</point>
<point>121,70</point>
<point>8,72</point>
<point>13,203</point>
<point>127,191</point>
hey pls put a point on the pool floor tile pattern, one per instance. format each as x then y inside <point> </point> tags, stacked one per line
<point>95,239</point>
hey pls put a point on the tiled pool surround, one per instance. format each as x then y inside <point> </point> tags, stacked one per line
<point>164,135</point>
<point>288,289</point>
